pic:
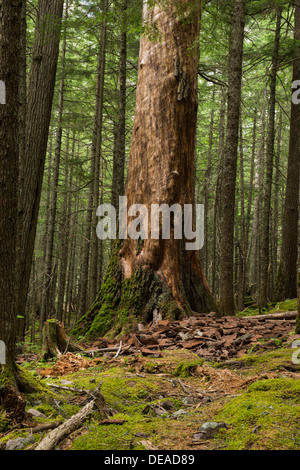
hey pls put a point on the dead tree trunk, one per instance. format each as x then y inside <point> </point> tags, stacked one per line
<point>55,342</point>
<point>158,273</point>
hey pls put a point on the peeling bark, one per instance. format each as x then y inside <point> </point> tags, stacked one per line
<point>159,274</point>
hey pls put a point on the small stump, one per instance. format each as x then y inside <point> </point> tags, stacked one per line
<point>55,341</point>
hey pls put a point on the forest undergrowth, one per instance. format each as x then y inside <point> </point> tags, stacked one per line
<point>177,401</point>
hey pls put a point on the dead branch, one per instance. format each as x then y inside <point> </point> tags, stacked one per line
<point>75,422</point>
<point>274,316</point>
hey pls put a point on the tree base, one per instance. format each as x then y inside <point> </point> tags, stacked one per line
<point>13,382</point>
<point>124,303</point>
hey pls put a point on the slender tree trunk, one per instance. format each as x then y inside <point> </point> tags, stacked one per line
<point>39,103</point>
<point>207,188</point>
<point>63,236</point>
<point>97,154</point>
<point>227,306</point>
<point>287,275</point>
<point>85,254</point>
<point>158,273</point>
<point>298,286</point>
<point>119,140</point>
<point>217,203</point>
<point>265,232</point>
<point>72,222</point>
<point>242,243</point>
<point>250,200</point>
<point>274,263</point>
<point>257,211</point>
<point>47,299</point>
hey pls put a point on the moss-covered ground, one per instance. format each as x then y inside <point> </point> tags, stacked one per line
<point>288,305</point>
<point>163,401</point>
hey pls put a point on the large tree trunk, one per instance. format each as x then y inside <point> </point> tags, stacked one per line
<point>10,73</point>
<point>10,36</point>
<point>287,274</point>
<point>158,273</point>
<point>230,161</point>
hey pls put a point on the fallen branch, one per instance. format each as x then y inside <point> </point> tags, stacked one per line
<point>119,350</point>
<point>274,316</point>
<point>111,349</point>
<point>44,427</point>
<point>92,351</point>
<point>75,422</point>
<point>68,389</point>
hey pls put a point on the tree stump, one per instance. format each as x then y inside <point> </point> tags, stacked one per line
<point>55,341</point>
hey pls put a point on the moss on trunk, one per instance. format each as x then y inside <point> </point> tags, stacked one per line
<point>123,303</point>
<point>13,383</point>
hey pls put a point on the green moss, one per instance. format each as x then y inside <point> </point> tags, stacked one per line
<point>186,369</point>
<point>284,306</point>
<point>288,305</point>
<point>47,410</point>
<point>124,303</point>
<point>265,417</point>
<point>4,422</point>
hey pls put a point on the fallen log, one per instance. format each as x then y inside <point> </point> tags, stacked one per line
<point>274,316</point>
<point>75,422</point>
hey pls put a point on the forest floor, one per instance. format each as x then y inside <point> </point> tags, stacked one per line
<point>172,397</point>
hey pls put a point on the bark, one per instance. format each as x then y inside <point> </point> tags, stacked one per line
<point>55,342</point>
<point>274,244</point>
<point>39,103</point>
<point>227,306</point>
<point>85,255</point>
<point>242,242</point>
<point>287,274</point>
<point>158,274</point>
<point>10,38</point>
<point>250,200</point>
<point>120,128</point>
<point>298,286</point>
<point>97,401</point>
<point>10,73</point>
<point>217,202</point>
<point>97,154</point>
<point>265,226</point>
<point>257,211</point>
<point>207,190</point>
<point>49,267</point>
<point>63,236</point>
